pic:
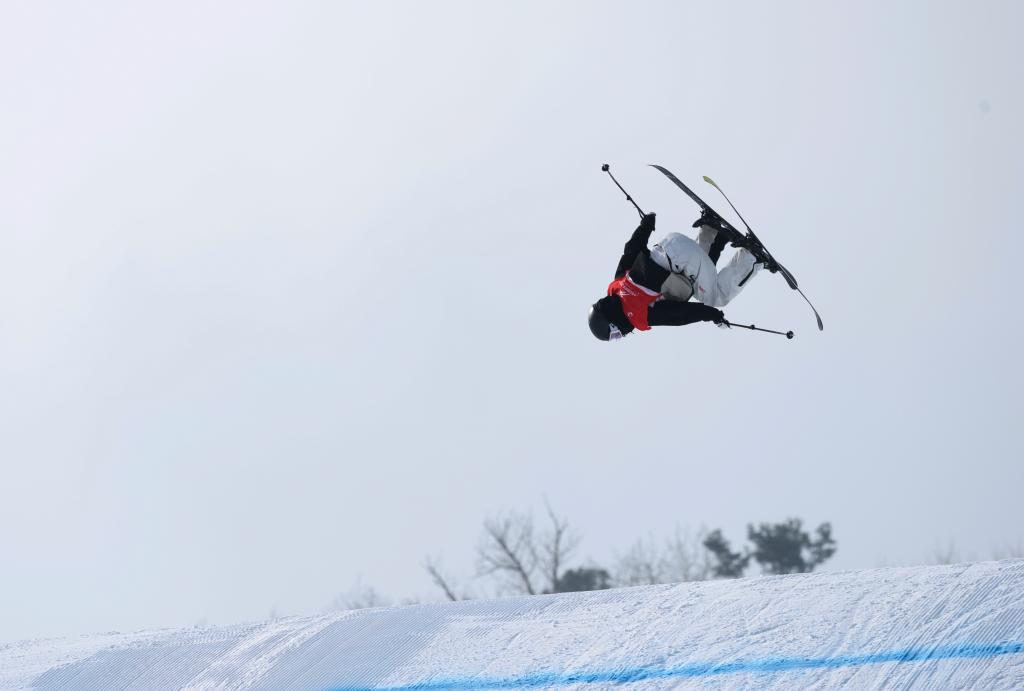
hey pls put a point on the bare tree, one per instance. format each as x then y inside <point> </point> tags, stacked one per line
<point>641,564</point>
<point>1009,551</point>
<point>682,557</point>
<point>529,561</point>
<point>359,596</point>
<point>507,549</point>
<point>946,554</point>
<point>555,547</point>
<point>686,558</point>
<point>445,583</point>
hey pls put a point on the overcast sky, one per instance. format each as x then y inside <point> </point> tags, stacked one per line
<point>293,294</point>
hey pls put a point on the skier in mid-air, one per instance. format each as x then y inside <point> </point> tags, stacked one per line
<point>652,287</point>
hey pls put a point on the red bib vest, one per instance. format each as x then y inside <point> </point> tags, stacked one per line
<point>636,300</point>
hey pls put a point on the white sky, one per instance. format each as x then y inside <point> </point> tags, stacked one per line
<point>294,294</point>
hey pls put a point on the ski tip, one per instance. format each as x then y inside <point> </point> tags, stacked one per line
<point>710,181</point>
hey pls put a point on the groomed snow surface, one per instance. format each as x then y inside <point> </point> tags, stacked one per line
<point>942,627</point>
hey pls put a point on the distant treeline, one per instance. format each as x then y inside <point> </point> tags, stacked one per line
<point>516,555</point>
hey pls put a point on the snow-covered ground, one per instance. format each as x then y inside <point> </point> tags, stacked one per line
<point>946,627</point>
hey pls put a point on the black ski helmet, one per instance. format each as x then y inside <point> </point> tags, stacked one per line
<point>600,326</point>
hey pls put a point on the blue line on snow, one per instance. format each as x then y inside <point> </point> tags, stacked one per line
<point>705,669</point>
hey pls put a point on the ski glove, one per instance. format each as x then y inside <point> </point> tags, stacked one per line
<point>713,315</point>
<point>647,222</point>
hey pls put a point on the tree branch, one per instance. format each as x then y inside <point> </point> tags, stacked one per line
<point>433,568</point>
<point>508,547</point>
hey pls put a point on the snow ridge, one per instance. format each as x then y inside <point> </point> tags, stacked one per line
<point>958,626</point>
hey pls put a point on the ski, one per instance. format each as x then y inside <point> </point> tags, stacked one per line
<point>790,279</point>
<point>758,247</point>
<point>707,210</point>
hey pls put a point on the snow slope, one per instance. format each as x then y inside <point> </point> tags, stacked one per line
<point>948,627</point>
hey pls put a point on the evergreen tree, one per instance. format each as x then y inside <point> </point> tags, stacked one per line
<point>576,580</point>
<point>786,548</point>
<point>728,564</point>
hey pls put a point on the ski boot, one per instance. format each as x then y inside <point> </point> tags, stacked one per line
<point>761,255</point>
<point>711,219</point>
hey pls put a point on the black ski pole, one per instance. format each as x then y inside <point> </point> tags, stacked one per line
<point>628,198</point>
<point>787,334</point>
